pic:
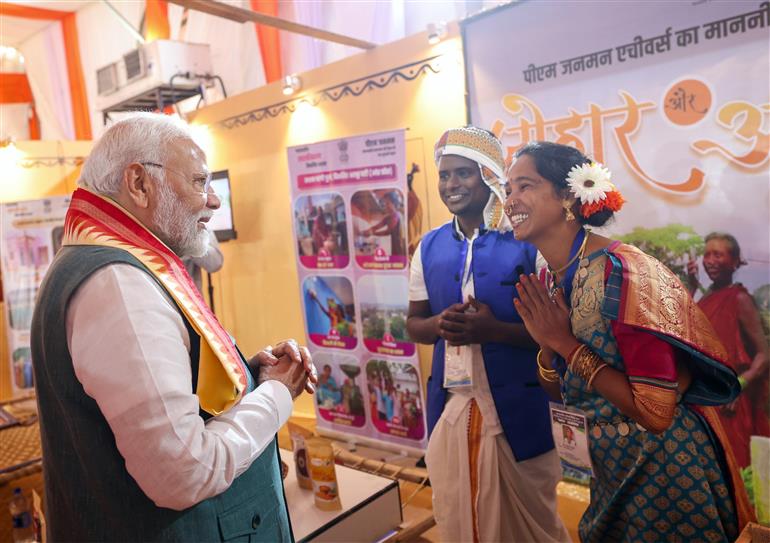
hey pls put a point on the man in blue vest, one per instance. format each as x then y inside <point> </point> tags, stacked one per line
<point>490,458</point>
<point>153,426</point>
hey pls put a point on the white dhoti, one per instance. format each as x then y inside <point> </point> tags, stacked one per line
<point>480,491</point>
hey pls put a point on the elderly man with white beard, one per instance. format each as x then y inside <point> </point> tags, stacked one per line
<point>154,426</point>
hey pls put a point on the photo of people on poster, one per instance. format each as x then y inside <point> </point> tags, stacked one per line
<point>321,225</point>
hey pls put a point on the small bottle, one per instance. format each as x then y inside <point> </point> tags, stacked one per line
<point>23,532</point>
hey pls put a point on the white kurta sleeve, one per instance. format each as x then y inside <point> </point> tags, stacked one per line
<point>130,351</point>
<point>418,292</point>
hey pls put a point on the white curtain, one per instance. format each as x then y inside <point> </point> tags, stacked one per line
<point>301,53</point>
<point>378,22</point>
<point>235,55</point>
<point>47,73</point>
<point>14,121</point>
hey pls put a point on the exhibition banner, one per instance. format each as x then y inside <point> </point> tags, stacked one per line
<point>673,98</point>
<point>30,235</point>
<point>348,206</point>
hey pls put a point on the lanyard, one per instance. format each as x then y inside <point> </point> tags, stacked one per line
<point>569,275</point>
<point>464,256</point>
<point>461,272</point>
<point>566,283</point>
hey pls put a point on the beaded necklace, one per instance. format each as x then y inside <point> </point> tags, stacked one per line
<point>576,255</point>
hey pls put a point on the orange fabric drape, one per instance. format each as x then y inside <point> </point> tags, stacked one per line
<point>80,114</point>
<point>29,12</point>
<point>14,88</point>
<point>156,26</point>
<point>269,40</point>
<point>34,123</point>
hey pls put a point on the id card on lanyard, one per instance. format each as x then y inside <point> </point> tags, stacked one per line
<point>458,366</point>
<point>458,360</point>
<point>570,436</point>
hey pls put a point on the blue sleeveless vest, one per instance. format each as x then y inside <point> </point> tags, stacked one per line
<point>498,260</point>
<point>89,494</point>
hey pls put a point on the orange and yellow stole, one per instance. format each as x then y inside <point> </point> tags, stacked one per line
<point>96,220</point>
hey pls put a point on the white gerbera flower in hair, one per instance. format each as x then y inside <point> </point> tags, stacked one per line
<point>590,182</point>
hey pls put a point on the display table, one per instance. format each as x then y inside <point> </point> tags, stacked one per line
<point>20,452</point>
<point>371,507</point>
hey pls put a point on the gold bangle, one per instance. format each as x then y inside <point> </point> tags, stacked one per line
<point>582,367</point>
<point>543,369</point>
<point>575,356</point>
<point>593,362</point>
<point>548,377</point>
<point>588,361</point>
<point>573,360</point>
<point>596,371</point>
<point>575,353</point>
<point>584,362</point>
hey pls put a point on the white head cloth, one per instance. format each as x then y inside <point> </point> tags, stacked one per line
<point>485,150</point>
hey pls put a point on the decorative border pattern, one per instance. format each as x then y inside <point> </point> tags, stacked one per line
<point>356,87</point>
<point>50,162</point>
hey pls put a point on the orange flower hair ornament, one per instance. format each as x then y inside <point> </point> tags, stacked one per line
<point>590,183</point>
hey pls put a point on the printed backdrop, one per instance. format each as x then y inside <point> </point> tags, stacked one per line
<point>672,97</point>
<point>349,205</point>
<point>30,234</point>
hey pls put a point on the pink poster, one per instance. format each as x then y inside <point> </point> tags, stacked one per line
<point>30,235</point>
<point>349,220</point>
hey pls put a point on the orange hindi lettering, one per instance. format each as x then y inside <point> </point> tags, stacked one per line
<point>745,121</point>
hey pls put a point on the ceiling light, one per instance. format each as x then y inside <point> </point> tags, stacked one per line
<point>436,32</point>
<point>10,155</point>
<point>291,84</point>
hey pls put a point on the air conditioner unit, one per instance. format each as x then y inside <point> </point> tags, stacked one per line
<point>162,71</point>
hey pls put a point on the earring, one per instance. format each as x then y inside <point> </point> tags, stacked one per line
<point>509,209</point>
<point>568,215</point>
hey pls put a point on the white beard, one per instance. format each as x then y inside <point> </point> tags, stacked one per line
<point>175,227</point>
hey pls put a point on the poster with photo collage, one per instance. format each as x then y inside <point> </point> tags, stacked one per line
<point>350,235</point>
<point>30,235</point>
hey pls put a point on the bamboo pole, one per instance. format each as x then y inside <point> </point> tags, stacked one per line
<point>355,461</point>
<point>235,13</point>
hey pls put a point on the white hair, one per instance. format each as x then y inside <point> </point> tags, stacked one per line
<point>142,137</point>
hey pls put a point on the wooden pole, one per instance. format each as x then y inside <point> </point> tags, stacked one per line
<point>352,460</point>
<point>241,15</point>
